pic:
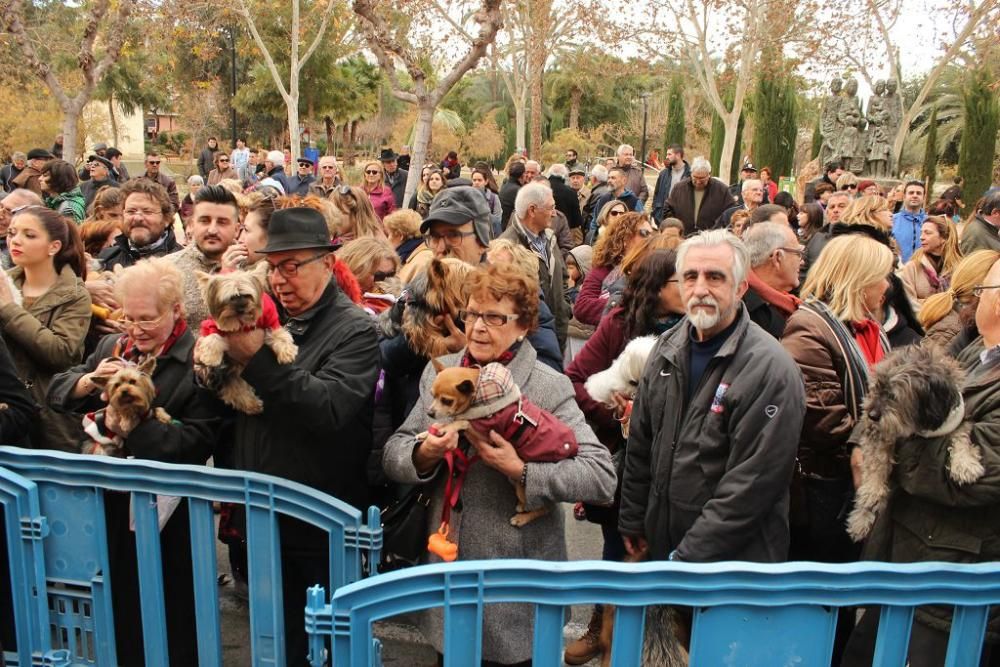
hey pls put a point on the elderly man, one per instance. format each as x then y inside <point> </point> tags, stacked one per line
<point>395,177</point>
<point>775,260</point>
<point>299,183</point>
<point>982,232</point>
<point>15,201</point>
<point>709,460</point>
<point>329,177</point>
<point>316,426</point>
<point>578,182</point>
<point>598,188</point>
<point>153,173</point>
<point>212,228</point>
<point>147,218</point>
<point>567,201</point>
<point>531,227</point>
<point>531,170</point>
<point>9,172</point>
<point>675,170</point>
<point>28,178</point>
<point>458,225</point>
<point>100,176</point>
<point>635,181</point>
<point>274,165</point>
<point>746,173</point>
<point>752,195</point>
<point>698,201</point>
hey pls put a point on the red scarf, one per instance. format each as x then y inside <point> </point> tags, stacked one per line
<point>505,357</point>
<point>786,303</point>
<point>866,333</point>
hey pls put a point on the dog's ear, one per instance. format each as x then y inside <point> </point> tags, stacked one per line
<point>466,387</point>
<point>100,380</point>
<point>437,273</point>
<point>259,273</point>
<point>148,366</point>
<point>438,366</point>
<point>203,279</point>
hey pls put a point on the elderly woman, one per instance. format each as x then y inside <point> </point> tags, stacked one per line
<point>154,327</point>
<point>374,262</point>
<point>502,309</point>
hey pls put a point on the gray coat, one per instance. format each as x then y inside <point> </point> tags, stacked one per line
<point>979,235</point>
<point>488,499</point>
<point>709,476</point>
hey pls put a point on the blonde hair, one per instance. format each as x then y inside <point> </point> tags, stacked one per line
<point>405,222</point>
<point>862,211</point>
<point>158,273</point>
<point>521,258</point>
<point>364,254</point>
<point>381,172</point>
<point>356,205</point>
<point>951,255</point>
<point>969,272</point>
<point>847,178</point>
<point>847,265</point>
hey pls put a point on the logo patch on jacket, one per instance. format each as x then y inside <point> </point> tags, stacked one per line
<point>720,393</point>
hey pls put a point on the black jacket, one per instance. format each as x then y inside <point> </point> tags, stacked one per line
<point>278,174</point>
<point>708,475</point>
<point>508,195</point>
<point>662,189</point>
<point>316,427</point>
<point>680,204</point>
<point>298,185</point>
<point>206,161</point>
<point>122,254</point>
<point>567,202</point>
<point>764,314</point>
<point>17,409</point>
<point>397,182</point>
<point>90,187</point>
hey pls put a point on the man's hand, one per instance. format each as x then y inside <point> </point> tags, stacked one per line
<point>496,452</point>
<point>244,344</point>
<point>102,292</point>
<point>636,546</point>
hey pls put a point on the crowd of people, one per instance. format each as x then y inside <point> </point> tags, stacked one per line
<point>738,441</point>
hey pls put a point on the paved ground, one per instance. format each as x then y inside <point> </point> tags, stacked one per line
<point>402,644</point>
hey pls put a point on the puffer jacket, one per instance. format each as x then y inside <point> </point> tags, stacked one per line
<point>708,476</point>
<point>931,518</point>
<point>46,338</point>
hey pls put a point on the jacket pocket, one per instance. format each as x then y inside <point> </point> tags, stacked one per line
<point>923,537</point>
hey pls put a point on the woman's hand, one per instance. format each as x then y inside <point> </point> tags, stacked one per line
<point>496,452</point>
<point>432,449</point>
<point>455,340</point>
<point>235,257</point>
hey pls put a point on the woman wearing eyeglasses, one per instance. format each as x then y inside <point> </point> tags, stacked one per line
<point>501,310</point>
<point>625,231</point>
<point>153,325</point>
<point>46,315</point>
<point>847,182</point>
<point>222,170</point>
<point>381,197</point>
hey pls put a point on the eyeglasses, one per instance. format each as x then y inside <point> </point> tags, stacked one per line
<point>452,237</point>
<point>795,251</point>
<point>853,186</point>
<point>152,162</point>
<point>142,325</point>
<point>16,209</point>
<point>328,166</point>
<point>223,159</point>
<point>144,212</point>
<point>977,291</point>
<point>491,319</point>
<point>290,267</point>
<point>615,214</point>
<point>379,276</point>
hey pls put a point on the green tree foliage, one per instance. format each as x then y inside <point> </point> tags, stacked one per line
<point>674,134</point>
<point>931,152</point>
<point>979,136</point>
<point>775,110</point>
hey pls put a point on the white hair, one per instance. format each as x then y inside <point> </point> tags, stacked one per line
<point>600,173</point>
<point>559,170</point>
<point>275,157</point>
<point>530,194</point>
<point>195,180</point>
<point>710,239</point>
<point>763,239</point>
<point>538,167</point>
<point>751,183</point>
<point>701,165</point>
<point>624,147</point>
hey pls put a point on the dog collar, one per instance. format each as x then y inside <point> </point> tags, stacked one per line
<point>951,422</point>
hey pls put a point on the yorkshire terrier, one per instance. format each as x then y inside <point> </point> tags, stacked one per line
<point>130,392</point>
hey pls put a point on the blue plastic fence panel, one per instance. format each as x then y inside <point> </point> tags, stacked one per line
<point>746,614</point>
<point>549,622</point>
<point>71,496</point>
<point>893,639</point>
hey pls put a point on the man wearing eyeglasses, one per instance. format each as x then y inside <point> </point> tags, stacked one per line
<point>10,204</point>
<point>775,259</point>
<point>299,183</point>
<point>753,194</point>
<point>153,173</point>
<point>329,177</point>
<point>316,426</point>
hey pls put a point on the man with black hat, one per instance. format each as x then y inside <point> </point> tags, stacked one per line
<point>303,178</point>
<point>395,178</point>
<point>316,426</point>
<point>100,169</point>
<point>100,148</point>
<point>28,178</point>
<point>736,189</point>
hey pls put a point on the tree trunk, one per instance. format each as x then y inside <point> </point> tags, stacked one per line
<point>293,125</point>
<point>520,123</point>
<point>69,124</point>
<point>575,97</point>
<point>328,125</point>
<point>354,138</point>
<point>114,121</point>
<point>537,114</point>
<point>421,142</point>
<point>731,122</point>
<point>345,140</point>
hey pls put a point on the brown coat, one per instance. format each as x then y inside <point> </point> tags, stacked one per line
<point>915,275</point>
<point>28,179</point>
<point>44,339</point>
<point>946,329</point>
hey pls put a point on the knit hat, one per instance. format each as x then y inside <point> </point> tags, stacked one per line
<point>583,256</point>
<point>460,205</point>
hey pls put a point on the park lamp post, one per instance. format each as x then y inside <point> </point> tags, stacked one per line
<point>644,96</point>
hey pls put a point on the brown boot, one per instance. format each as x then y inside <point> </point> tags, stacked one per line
<point>587,647</point>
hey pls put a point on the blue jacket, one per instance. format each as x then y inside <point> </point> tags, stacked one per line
<point>662,189</point>
<point>906,229</point>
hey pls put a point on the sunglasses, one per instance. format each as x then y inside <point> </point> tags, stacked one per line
<point>849,187</point>
<point>223,159</point>
<point>152,162</point>
<point>615,214</point>
<point>372,172</point>
<point>379,276</point>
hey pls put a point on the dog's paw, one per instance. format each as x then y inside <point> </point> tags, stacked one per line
<point>161,416</point>
<point>210,350</point>
<point>965,460</point>
<point>240,396</point>
<point>520,519</point>
<point>280,341</point>
<point>859,523</point>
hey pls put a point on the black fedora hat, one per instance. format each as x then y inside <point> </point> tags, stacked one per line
<point>297,229</point>
<point>388,155</point>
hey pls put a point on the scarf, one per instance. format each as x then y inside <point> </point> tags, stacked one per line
<point>70,204</point>
<point>785,303</point>
<point>930,267</point>
<point>151,249</point>
<point>505,357</point>
<point>424,196</point>
<point>867,334</point>
<point>550,238</point>
<point>126,349</point>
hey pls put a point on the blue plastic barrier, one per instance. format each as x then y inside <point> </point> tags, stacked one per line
<point>744,614</point>
<point>57,549</point>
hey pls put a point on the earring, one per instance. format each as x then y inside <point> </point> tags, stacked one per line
<point>520,339</point>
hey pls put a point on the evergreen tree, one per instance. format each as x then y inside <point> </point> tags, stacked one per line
<point>775,108</point>
<point>979,136</point>
<point>931,153</point>
<point>675,115</point>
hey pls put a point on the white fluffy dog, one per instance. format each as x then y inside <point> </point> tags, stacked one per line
<point>623,375</point>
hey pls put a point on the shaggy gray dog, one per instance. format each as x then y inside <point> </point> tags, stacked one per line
<point>915,391</point>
